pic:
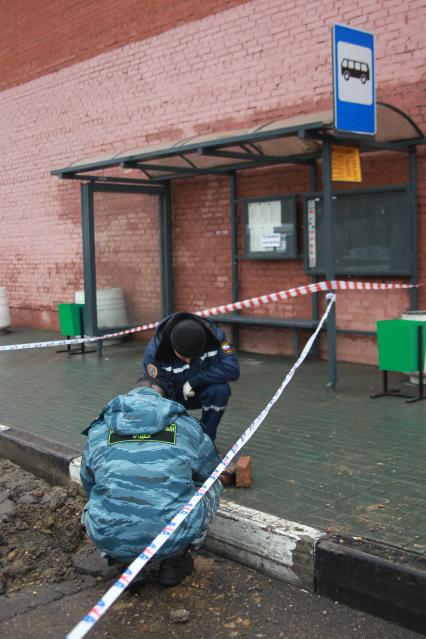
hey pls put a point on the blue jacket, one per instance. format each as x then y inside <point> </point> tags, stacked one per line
<point>217,364</point>
<point>143,460</point>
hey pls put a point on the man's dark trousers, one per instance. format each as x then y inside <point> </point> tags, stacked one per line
<point>213,400</point>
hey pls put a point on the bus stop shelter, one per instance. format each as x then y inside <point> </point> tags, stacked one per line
<point>301,140</point>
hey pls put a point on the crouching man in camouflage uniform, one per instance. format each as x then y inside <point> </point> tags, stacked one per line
<point>144,458</point>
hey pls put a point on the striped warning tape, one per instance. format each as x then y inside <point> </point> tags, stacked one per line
<point>253,302</point>
<point>90,619</point>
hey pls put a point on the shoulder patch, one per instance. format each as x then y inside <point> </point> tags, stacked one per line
<point>227,348</point>
<point>152,370</point>
<point>166,436</point>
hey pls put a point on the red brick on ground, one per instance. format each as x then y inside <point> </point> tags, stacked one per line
<point>243,472</point>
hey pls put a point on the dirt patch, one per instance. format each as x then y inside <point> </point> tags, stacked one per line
<point>40,530</point>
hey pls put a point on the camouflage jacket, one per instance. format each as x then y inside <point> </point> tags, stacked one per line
<point>143,460</point>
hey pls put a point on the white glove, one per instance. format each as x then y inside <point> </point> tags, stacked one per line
<point>187,391</point>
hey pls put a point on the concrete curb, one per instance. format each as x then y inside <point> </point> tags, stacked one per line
<point>377,578</point>
<point>37,455</point>
<point>277,547</point>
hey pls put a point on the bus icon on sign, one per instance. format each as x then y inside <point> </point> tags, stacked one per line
<point>355,69</point>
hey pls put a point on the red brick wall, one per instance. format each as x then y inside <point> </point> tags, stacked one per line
<point>63,32</point>
<point>202,243</point>
<point>127,243</point>
<point>254,61</point>
<point>40,257</point>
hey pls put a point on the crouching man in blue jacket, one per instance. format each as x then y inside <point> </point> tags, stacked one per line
<point>144,458</point>
<point>193,358</point>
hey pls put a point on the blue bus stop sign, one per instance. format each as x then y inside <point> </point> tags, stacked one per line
<point>353,80</point>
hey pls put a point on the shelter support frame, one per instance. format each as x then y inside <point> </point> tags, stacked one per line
<point>87,191</point>
<point>226,155</point>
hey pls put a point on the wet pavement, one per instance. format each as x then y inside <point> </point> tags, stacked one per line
<point>338,461</point>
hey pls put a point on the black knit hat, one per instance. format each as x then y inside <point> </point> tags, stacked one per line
<point>188,338</point>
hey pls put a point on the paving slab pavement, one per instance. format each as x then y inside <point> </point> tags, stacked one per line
<point>337,463</point>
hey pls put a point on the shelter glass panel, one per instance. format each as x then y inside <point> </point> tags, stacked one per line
<point>127,254</point>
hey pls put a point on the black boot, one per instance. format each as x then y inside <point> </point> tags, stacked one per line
<point>175,568</point>
<point>121,567</point>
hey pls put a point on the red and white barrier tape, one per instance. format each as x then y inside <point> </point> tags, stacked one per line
<point>253,302</point>
<point>89,620</point>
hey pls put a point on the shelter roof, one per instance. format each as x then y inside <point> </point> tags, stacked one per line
<point>292,140</point>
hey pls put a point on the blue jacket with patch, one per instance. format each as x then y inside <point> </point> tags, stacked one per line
<point>143,460</point>
<point>217,364</point>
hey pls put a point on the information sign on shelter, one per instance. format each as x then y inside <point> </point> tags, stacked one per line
<point>353,80</point>
<point>345,164</point>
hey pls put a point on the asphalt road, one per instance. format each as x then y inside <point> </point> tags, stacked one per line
<point>220,600</point>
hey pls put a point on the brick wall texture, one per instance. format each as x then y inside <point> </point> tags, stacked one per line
<point>80,79</point>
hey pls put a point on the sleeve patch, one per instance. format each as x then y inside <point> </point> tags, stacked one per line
<point>227,348</point>
<point>152,370</point>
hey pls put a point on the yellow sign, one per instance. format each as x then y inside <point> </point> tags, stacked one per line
<point>345,164</point>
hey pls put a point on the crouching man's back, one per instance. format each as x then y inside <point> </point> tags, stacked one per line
<point>143,461</point>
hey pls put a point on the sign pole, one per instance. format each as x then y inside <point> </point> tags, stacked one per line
<point>329,260</point>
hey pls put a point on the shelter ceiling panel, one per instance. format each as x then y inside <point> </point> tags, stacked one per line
<point>292,145</point>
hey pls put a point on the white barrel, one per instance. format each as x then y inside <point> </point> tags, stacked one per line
<point>419,316</point>
<point>4,310</point>
<point>110,306</point>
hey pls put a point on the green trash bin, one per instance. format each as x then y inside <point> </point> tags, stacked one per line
<point>401,347</point>
<point>71,319</point>
<point>72,322</point>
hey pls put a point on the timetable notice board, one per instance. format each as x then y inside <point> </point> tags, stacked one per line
<point>345,164</point>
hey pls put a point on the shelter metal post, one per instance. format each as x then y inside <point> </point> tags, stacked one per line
<point>329,259</point>
<point>234,251</point>
<point>414,292</point>
<point>316,351</point>
<point>89,264</point>
<point>165,211</point>
<point>314,187</point>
